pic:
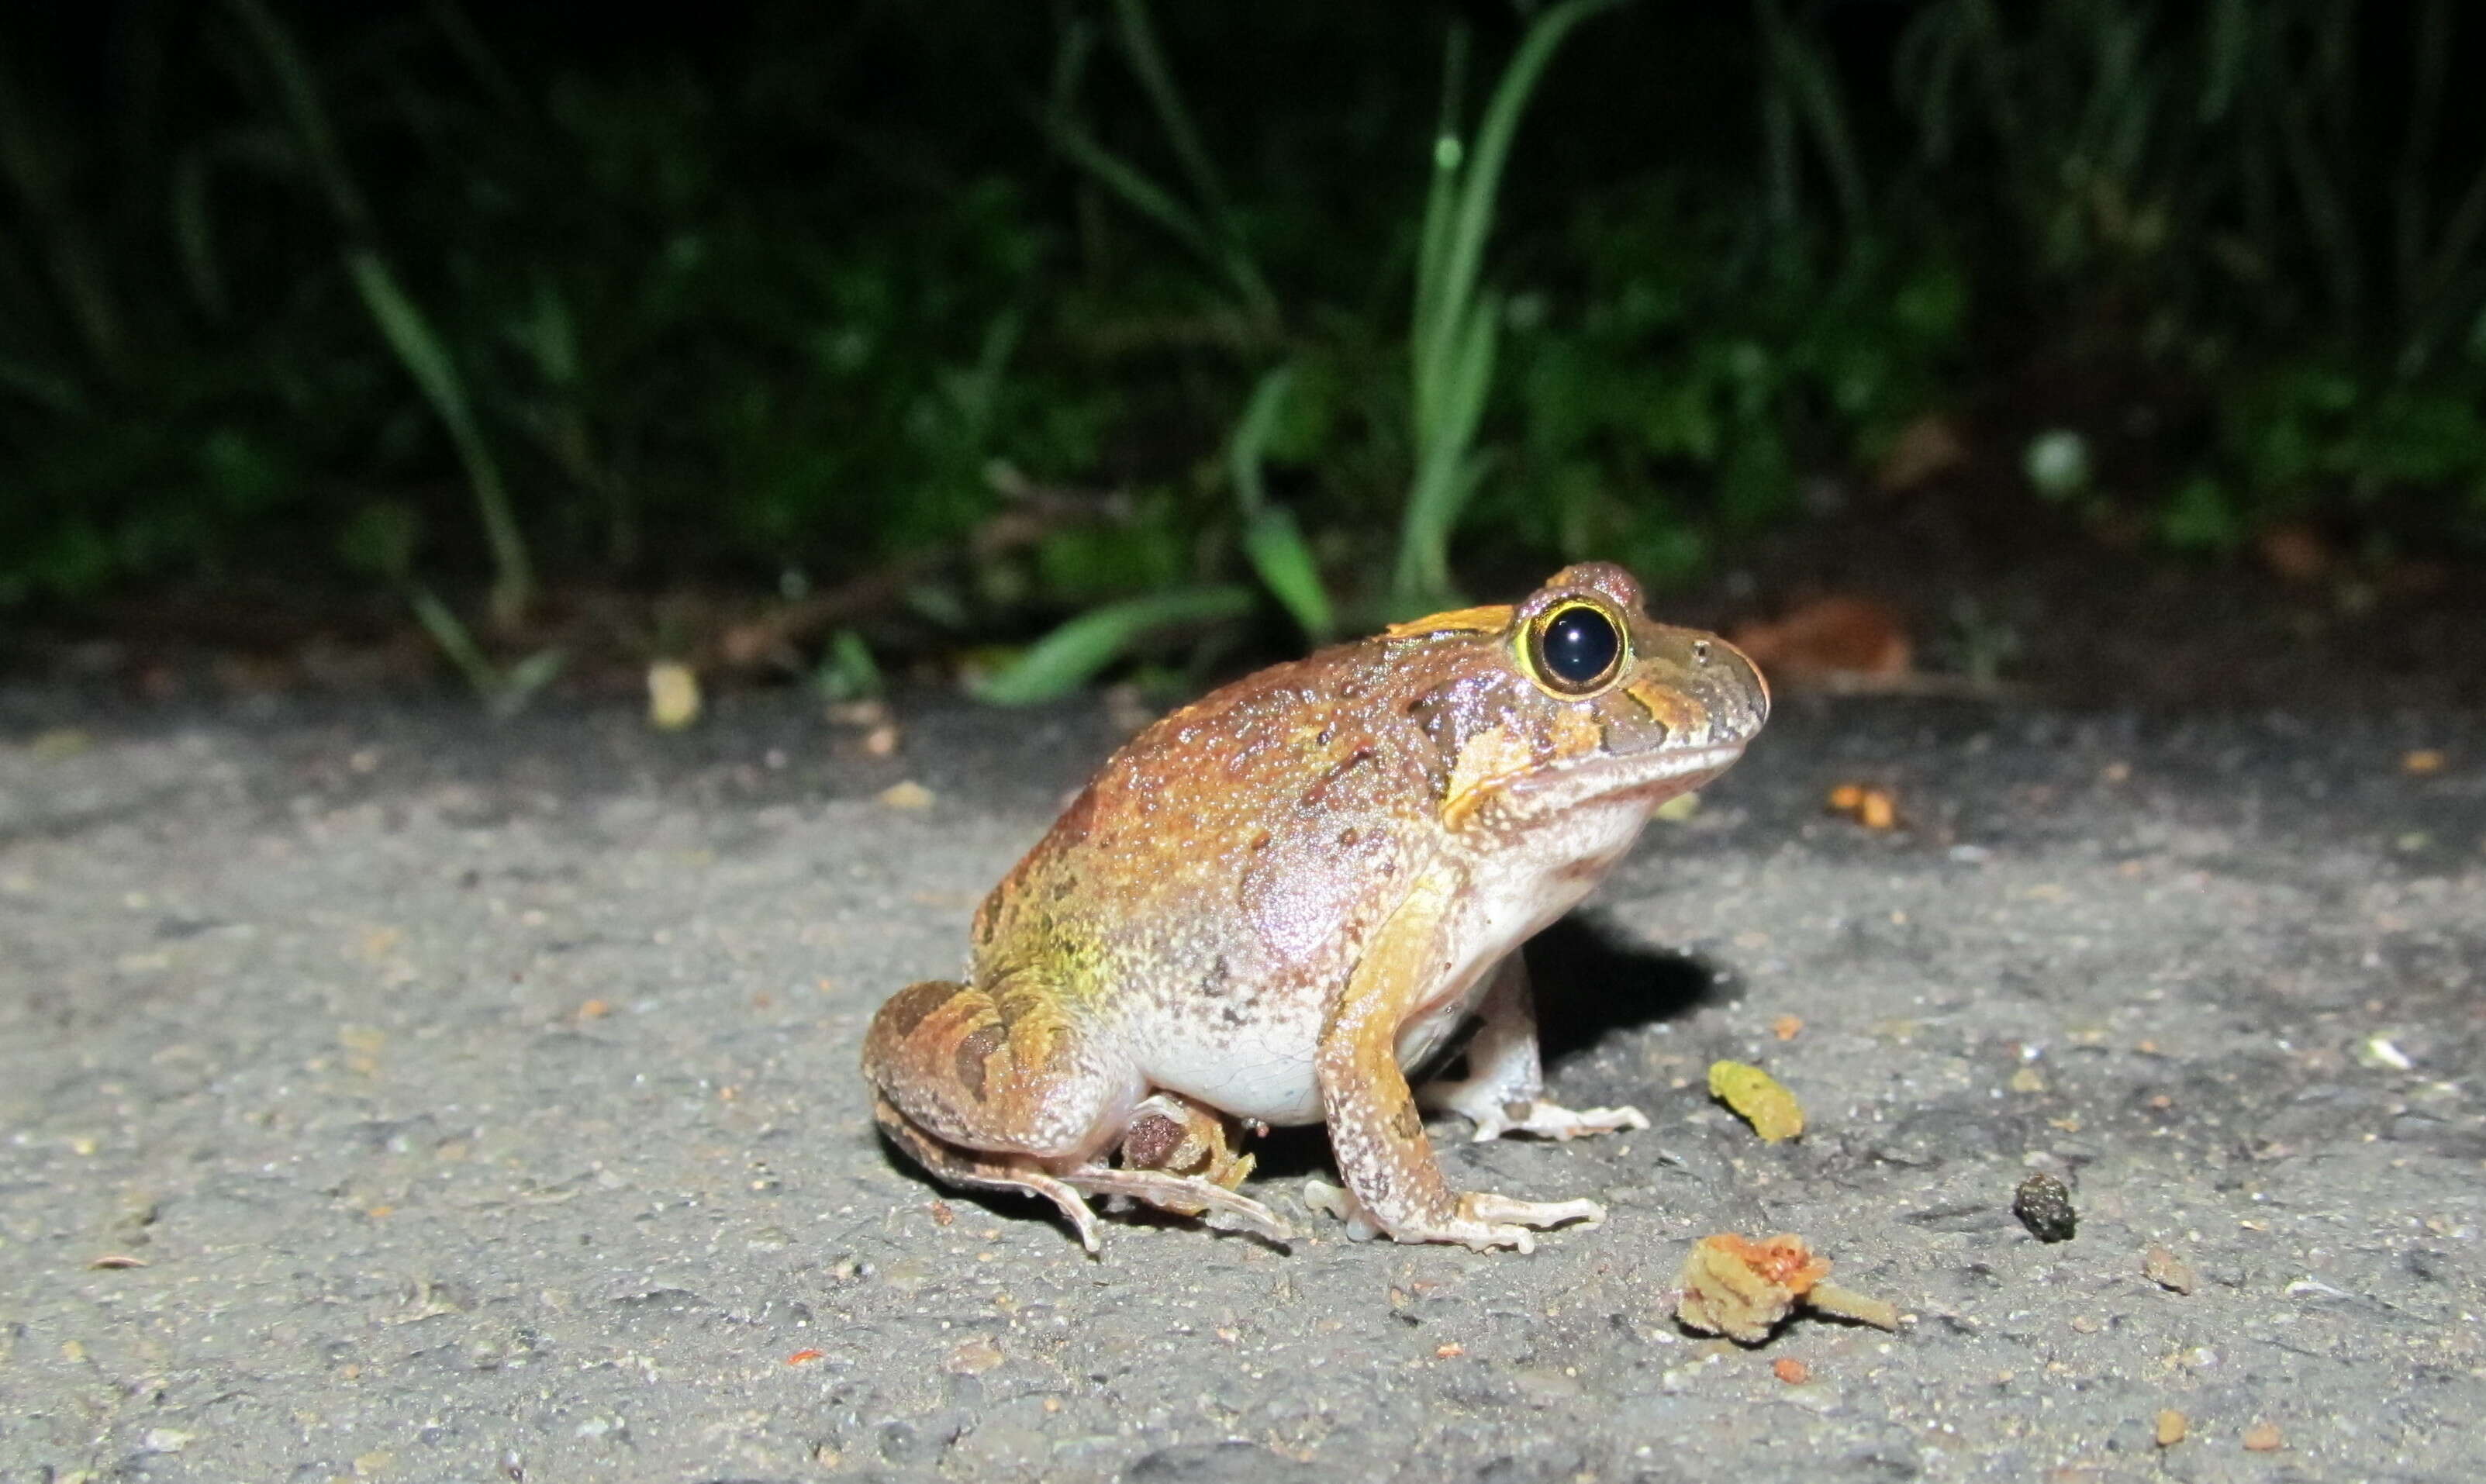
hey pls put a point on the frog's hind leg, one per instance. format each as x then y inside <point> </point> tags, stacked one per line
<point>953,1165</point>
<point>996,1088</point>
<point>1178,1156</point>
<point>1503,1092</point>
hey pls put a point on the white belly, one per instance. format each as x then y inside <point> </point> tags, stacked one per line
<point>1260,1069</point>
<point>1263,1067</point>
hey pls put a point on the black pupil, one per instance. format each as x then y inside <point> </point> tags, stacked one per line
<point>1580,646</point>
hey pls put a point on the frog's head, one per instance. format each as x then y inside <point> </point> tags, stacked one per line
<point>1576,697</point>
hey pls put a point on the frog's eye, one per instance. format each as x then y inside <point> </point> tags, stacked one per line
<point>1578,648</point>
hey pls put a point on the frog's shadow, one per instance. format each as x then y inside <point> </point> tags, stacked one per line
<point>1588,982</point>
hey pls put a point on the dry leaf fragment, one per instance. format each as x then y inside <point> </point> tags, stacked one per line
<point>973,1358</point>
<point>673,695</point>
<point>803,1357</point>
<point>1829,638</point>
<point>1928,446</point>
<point>1758,1098</point>
<point>2168,1270</point>
<point>1872,807</point>
<point>1735,1286</point>
<point>2296,553</point>
<point>58,743</point>
<point>908,794</point>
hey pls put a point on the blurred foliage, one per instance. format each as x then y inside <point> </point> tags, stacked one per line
<point>1102,309</point>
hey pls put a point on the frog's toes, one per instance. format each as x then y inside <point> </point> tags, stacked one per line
<point>1495,1114</point>
<point>1550,1120</point>
<point>1485,1206</point>
<point>1184,1196</point>
<point>1334,1201</point>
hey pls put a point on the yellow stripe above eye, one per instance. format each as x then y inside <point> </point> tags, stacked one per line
<point>1490,619</point>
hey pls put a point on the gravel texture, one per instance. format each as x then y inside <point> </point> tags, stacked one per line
<point>388,1095</point>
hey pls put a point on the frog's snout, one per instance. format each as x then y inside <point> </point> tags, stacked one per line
<point>1735,693</point>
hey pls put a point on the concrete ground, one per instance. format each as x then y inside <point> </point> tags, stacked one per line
<point>389,1095</point>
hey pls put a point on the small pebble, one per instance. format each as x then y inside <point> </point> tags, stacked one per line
<point>2263,1438</point>
<point>2171,1427</point>
<point>2044,1205</point>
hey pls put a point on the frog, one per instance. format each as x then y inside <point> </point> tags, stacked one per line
<point>1276,905</point>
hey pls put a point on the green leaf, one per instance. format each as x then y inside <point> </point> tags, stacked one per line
<point>2203,517</point>
<point>1068,657</point>
<point>380,539</point>
<point>847,671</point>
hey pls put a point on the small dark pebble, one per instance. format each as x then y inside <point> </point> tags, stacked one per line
<point>2044,1205</point>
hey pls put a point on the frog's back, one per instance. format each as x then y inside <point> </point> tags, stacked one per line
<point>1227,843</point>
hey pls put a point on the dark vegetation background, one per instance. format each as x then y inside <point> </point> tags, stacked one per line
<point>836,340</point>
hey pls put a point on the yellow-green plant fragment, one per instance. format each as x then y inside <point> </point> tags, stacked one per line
<point>1768,1106</point>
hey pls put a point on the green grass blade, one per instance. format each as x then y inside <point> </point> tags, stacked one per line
<point>1441,193</point>
<point>1271,537</point>
<point>194,232</point>
<point>1147,61</point>
<point>1234,257</point>
<point>1481,180</point>
<point>1276,545</point>
<point>450,633</point>
<point>301,93</point>
<point>1251,439</point>
<point>520,683</point>
<point>78,271</point>
<point>1453,337</point>
<point>1423,578</point>
<point>425,359</point>
<point>1137,191</point>
<point>1071,655</point>
<point>42,386</point>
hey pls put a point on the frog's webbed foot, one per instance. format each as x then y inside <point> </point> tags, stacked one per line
<point>953,1165</point>
<point>1483,1221</point>
<point>1184,1196</point>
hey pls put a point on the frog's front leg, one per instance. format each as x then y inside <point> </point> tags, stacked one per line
<point>1502,1090</point>
<point>1396,1183</point>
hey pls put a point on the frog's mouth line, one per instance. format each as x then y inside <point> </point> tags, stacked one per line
<point>1657,774</point>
